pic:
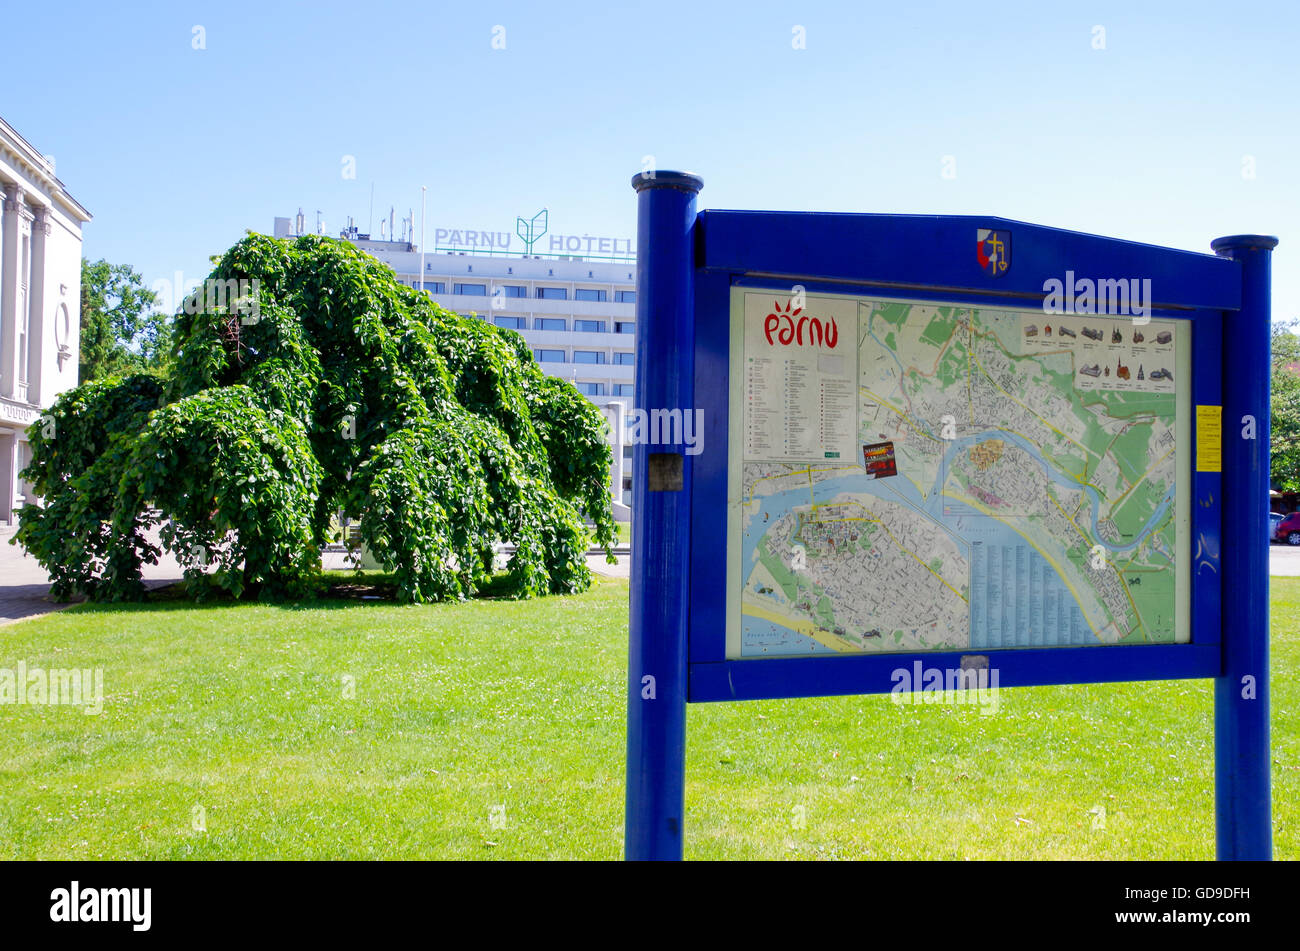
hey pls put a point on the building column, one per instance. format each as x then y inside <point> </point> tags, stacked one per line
<point>13,289</point>
<point>37,321</point>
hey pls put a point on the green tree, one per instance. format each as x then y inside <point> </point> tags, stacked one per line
<point>1284,447</point>
<point>320,385</point>
<point>121,329</point>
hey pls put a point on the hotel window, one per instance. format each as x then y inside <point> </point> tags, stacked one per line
<point>589,326</point>
<point>548,356</point>
<point>514,290</point>
<point>625,297</point>
<point>588,356</point>
<point>624,328</point>
<point>470,290</point>
<point>549,323</point>
<point>622,389</point>
<point>585,293</point>
<point>591,389</point>
<point>434,287</point>
<point>553,293</point>
<point>514,323</point>
<point>624,359</point>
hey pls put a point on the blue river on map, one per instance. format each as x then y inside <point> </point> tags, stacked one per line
<point>1038,610</point>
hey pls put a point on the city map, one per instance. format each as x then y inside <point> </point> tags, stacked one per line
<point>912,476</point>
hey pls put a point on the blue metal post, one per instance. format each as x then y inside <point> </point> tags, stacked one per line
<point>661,510</point>
<point>1241,711</point>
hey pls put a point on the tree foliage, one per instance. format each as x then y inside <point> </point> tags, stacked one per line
<point>121,329</point>
<point>341,390</point>
<point>1284,445</point>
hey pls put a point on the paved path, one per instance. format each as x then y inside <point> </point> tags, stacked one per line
<point>25,587</point>
<point>598,564</point>
<point>337,561</point>
<point>1284,560</point>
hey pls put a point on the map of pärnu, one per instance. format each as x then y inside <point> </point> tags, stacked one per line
<point>916,476</point>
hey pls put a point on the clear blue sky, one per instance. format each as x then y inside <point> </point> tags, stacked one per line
<point>177,151</point>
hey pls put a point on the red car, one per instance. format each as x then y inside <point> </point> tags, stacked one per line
<point>1288,530</point>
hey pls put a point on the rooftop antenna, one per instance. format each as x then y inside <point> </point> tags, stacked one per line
<point>391,221</point>
<point>300,222</point>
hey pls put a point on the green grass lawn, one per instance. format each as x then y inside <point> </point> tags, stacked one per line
<point>495,730</point>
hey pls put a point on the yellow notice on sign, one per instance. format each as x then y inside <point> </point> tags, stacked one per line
<point>1209,439</point>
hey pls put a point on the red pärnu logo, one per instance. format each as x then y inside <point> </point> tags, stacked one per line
<point>993,251</point>
<point>792,327</point>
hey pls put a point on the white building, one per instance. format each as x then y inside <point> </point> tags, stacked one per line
<point>578,313</point>
<point>40,302</point>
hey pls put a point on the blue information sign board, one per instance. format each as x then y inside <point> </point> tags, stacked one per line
<point>884,443</point>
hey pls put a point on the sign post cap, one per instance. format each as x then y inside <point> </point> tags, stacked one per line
<point>1233,242</point>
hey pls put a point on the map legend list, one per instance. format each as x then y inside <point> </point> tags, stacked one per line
<point>800,392</point>
<point>1018,601</point>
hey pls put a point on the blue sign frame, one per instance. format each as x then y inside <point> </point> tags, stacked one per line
<point>729,237</point>
<point>689,265</point>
